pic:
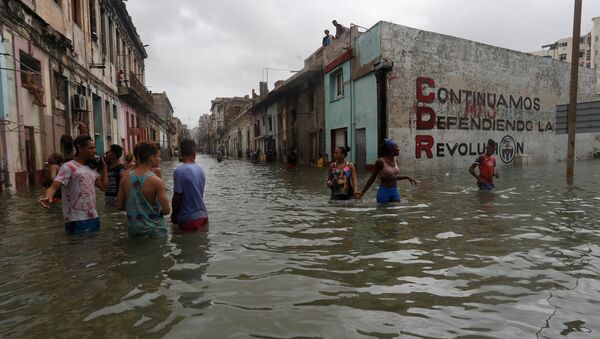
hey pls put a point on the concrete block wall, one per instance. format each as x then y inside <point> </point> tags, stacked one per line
<point>432,71</point>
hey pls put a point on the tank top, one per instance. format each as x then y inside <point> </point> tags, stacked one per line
<point>342,181</point>
<point>389,171</point>
<point>143,218</point>
<point>486,168</point>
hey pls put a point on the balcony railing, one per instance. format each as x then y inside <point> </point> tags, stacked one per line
<point>135,92</point>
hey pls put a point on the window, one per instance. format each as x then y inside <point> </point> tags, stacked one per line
<point>336,83</point>
<point>61,88</point>
<point>93,22</point>
<point>115,112</point>
<point>111,41</point>
<point>31,68</point>
<point>108,121</point>
<point>562,57</point>
<point>587,65</point>
<point>102,32</point>
<point>76,12</point>
<point>270,124</point>
<point>581,54</point>
<point>563,44</point>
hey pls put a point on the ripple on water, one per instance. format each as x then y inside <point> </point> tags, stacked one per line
<point>281,261</point>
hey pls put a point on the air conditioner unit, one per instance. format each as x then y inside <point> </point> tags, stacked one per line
<point>79,102</point>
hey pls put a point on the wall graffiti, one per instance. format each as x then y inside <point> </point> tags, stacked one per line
<point>475,111</point>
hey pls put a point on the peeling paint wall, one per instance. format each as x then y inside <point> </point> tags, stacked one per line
<point>444,91</point>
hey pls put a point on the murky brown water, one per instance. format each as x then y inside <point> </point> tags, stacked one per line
<point>281,262</point>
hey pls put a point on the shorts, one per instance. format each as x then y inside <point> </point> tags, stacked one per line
<point>82,226</point>
<point>200,224</point>
<point>386,195</point>
<point>484,186</point>
<point>151,233</point>
<point>110,200</point>
<point>341,196</point>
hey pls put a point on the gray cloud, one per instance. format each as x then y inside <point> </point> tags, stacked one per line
<point>202,49</point>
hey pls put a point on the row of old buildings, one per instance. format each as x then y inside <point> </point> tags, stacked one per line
<point>440,97</point>
<point>70,67</point>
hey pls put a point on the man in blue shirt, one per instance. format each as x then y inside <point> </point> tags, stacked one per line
<point>189,211</point>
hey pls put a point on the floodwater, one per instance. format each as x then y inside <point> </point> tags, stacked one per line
<point>279,261</point>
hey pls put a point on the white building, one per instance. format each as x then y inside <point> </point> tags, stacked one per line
<point>589,47</point>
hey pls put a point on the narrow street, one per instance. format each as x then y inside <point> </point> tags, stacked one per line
<point>278,252</point>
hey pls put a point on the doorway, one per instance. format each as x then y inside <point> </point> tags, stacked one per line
<point>30,155</point>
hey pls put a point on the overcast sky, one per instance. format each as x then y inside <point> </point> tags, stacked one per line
<point>202,49</point>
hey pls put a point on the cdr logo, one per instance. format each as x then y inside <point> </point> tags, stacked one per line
<point>507,149</point>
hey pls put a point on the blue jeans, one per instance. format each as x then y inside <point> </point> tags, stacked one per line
<point>386,195</point>
<point>82,226</point>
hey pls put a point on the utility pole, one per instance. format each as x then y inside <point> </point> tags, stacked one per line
<point>572,115</point>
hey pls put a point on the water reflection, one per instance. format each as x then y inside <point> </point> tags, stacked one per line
<point>281,261</point>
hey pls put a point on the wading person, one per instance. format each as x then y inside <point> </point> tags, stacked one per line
<point>129,164</point>
<point>342,176</point>
<point>386,168</point>
<point>142,194</point>
<point>114,174</point>
<point>487,166</point>
<point>78,182</point>
<point>189,211</point>
<point>55,160</point>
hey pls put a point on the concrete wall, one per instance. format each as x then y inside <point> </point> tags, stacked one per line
<point>429,67</point>
<point>272,113</point>
<point>365,114</point>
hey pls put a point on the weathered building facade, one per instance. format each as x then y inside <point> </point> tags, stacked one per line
<point>69,67</point>
<point>164,111</point>
<point>442,97</point>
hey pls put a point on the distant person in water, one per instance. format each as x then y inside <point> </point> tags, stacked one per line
<point>487,168</point>
<point>55,160</point>
<point>189,211</point>
<point>342,176</point>
<point>386,168</point>
<point>115,173</point>
<point>129,164</point>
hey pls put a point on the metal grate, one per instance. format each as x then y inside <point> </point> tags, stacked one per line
<point>588,117</point>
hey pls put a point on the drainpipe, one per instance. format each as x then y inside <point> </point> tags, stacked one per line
<point>4,175</point>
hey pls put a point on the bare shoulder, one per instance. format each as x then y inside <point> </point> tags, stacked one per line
<point>155,180</point>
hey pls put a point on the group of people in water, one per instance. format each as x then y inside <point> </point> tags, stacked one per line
<point>343,183</point>
<point>136,187</point>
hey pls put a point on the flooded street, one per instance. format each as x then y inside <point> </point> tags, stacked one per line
<point>279,261</point>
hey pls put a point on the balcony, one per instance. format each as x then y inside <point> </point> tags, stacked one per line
<point>134,93</point>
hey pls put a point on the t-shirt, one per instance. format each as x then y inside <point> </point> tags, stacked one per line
<point>189,180</point>
<point>486,168</point>
<point>114,179</point>
<point>78,191</point>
